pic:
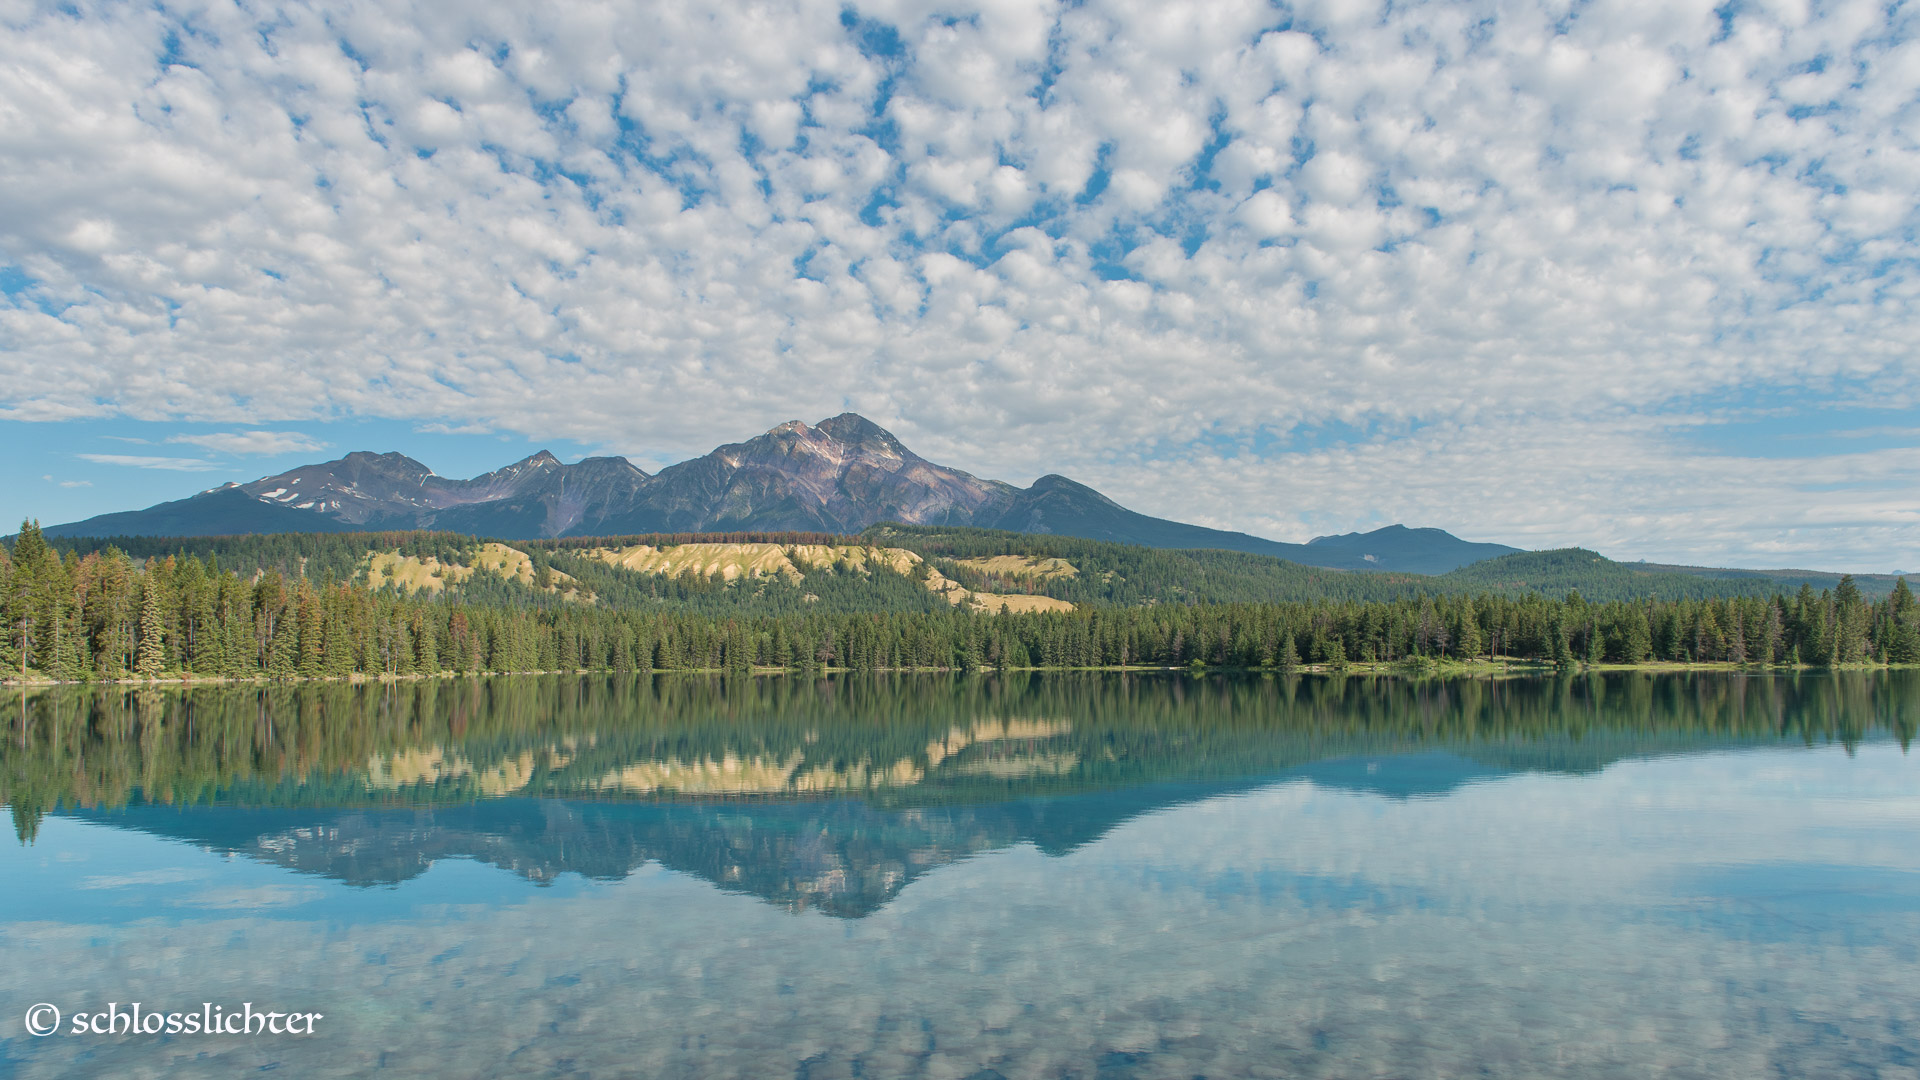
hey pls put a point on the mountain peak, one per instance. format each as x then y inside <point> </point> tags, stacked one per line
<point>1053,484</point>
<point>851,427</point>
<point>1382,533</point>
<point>391,461</point>
<point>612,463</point>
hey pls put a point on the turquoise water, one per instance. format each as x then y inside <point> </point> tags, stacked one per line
<point>1060,876</point>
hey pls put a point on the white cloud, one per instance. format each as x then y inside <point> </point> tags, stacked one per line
<point>252,442</point>
<point>170,464</point>
<point>656,232</point>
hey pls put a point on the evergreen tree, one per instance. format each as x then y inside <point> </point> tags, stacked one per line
<point>1850,622</point>
<point>153,654</point>
<point>1772,637</point>
<point>1900,604</point>
<point>1467,640</point>
<point>1639,643</point>
<point>29,558</point>
<point>1709,643</point>
<point>1903,643</point>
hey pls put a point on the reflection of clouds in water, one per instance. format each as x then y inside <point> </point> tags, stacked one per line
<point>140,877</point>
<point>261,896</point>
<point>1515,928</point>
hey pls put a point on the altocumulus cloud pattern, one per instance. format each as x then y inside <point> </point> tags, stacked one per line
<point>1527,270</point>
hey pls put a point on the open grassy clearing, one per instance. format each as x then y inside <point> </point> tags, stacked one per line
<point>1034,567</point>
<point>411,574</point>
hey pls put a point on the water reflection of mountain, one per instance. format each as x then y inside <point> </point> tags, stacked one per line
<point>830,796</point>
<point>840,856</point>
<point>843,856</point>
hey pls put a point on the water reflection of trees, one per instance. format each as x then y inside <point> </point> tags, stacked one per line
<point>887,739</point>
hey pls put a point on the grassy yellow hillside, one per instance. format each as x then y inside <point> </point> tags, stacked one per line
<point>734,562</point>
<point>411,574</point>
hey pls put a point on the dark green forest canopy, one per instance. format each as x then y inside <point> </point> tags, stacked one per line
<point>106,615</point>
<point>297,606</point>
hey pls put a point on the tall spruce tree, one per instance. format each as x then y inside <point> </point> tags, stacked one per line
<point>29,557</point>
<point>152,657</point>
<point>1903,627</point>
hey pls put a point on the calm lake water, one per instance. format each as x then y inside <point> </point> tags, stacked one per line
<point>1048,876</point>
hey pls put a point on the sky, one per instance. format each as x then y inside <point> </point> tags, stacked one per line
<point>1639,276</point>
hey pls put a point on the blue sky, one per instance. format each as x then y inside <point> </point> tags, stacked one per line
<point>1632,276</point>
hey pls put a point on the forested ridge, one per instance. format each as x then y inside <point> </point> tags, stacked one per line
<point>299,612</point>
<point>1109,573</point>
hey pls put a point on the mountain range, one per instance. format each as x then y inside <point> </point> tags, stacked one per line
<point>839,476</point>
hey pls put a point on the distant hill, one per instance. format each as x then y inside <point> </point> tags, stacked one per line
<point>1396,547</point>
<point>1870,584</point>
<point>839,477</point>
<point>1600,578</point>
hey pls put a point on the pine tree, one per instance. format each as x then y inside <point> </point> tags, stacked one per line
<point>6,614</point>
<point>1903,643</point>
<point>426,648</point>
<point>1639,637</point>
<point>153,653</point>
<point>1557,641</point>
<point>1903,631</point>
<point>1813,636</point>
<point>1708,642</point>
<point>1849,622</point>
<point>29,554</point>
<point>1772,636</point>
<point>1467,640</point>
<point>1901,605</point>
<point>1336,653</point>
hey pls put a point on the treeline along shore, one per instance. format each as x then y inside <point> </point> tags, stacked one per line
<point>104,615</point>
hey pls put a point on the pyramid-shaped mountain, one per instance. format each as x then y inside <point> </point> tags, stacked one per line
<point>839,476</point>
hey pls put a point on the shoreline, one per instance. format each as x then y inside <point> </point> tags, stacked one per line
<point>1492,666</point>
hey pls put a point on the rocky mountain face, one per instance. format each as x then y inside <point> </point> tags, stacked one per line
<point>840,476</point>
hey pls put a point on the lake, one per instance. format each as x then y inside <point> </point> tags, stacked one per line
<point>1050,875</point>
